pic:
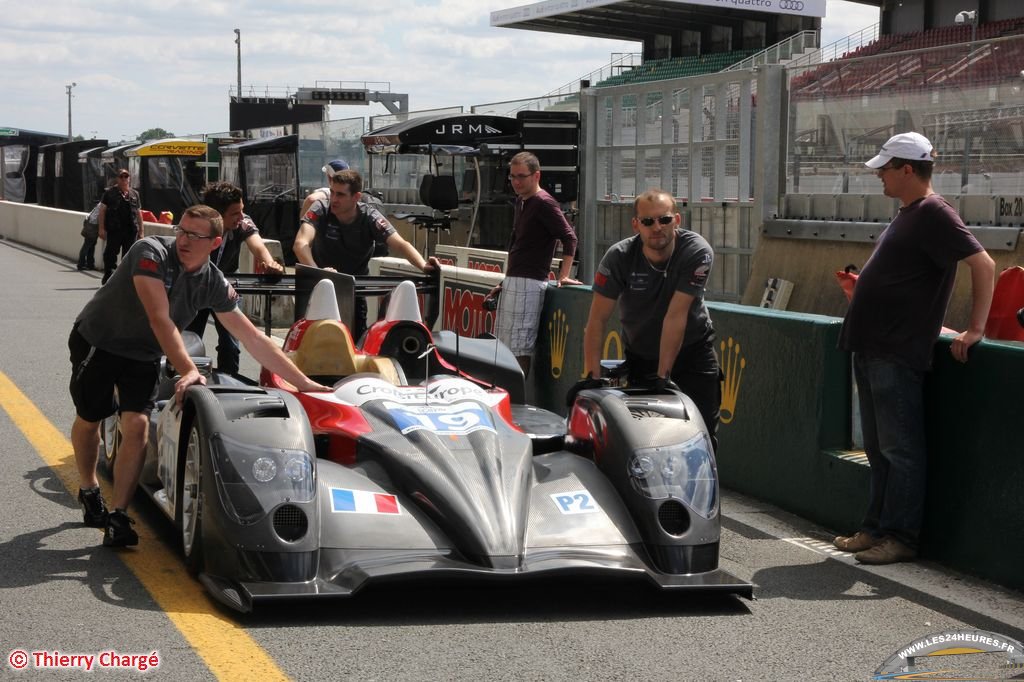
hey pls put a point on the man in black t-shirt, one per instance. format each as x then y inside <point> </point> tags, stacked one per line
<point>341,234</point>
<point>120,221</point>
<point>894,318</point>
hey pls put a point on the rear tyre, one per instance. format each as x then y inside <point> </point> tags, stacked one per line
<point>188,512</point>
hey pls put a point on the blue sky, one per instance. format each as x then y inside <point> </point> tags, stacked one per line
<point>170,63</point>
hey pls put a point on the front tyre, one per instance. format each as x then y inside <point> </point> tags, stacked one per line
<point>189,509</point>
<point>110,441</point>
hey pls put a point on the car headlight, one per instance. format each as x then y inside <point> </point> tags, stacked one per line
<point>253,479</point>
<point>684,471</point>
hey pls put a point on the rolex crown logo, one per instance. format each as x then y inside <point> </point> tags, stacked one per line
<point>733,365</point>
<point>558,332</point>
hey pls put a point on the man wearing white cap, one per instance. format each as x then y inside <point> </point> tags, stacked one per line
<point>891,326</point>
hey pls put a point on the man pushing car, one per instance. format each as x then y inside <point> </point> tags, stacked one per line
<point>117,341</point>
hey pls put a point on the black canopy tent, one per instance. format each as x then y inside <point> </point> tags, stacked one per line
<point>19,151</point>
<point>489,141</point>
<point>112,160</point>
<point>67,183</point>
<point>446,134</point>
<point>45,177</point>
<point>167,173</point>
<point>93,179</point>
<point>420,135</point>
<point>267,172</point>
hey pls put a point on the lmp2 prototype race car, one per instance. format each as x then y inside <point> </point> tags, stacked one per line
<point>414,468</point>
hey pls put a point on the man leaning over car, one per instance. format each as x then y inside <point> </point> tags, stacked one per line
<point>117,341</point>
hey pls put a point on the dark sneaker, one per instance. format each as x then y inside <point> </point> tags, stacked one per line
<point>119,531</point>
<point>857,542</point>
<point>888,551</point>
<point>94,512</point>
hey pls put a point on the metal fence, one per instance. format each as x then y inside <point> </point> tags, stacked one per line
<point>704,139</point>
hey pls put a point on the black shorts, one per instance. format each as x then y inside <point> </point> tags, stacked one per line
<point>95,373</point>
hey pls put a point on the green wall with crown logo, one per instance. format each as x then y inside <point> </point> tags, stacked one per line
<point>786,428</point>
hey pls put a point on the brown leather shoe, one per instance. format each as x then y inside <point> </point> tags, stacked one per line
<point>888,551</point>
<point>857,542</point>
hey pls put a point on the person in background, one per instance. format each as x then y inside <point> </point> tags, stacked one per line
<point>90,234</point>
<point>239,229</point>
<point>120,221</point>
<point>538,226</point>
<point>658,278</point>
<point>324,193</point>
<point>894,318</point>
<point>116,343</point>
<point>340,234</point>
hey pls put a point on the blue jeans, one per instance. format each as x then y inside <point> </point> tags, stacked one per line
<point>892,417</point>
<point>228,352</point>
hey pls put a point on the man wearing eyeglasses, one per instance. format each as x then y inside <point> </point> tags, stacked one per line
<point>117,341</point>
<point>342,233</point>
<point>658,277</point>
<point>538,226</point>
<point>239,229</point>
<point>120,221</point>
<point>891,326</point>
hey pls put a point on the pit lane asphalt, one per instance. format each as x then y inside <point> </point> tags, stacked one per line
<point>818,615</point>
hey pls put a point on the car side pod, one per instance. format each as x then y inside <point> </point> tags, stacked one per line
<point>655,450</point>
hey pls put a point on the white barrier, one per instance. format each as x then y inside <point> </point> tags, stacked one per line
<point>53,230</point>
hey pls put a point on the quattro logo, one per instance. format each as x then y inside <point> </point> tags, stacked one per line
<point>797,5</point>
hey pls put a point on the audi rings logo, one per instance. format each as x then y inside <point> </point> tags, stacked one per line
<point>797,5</point>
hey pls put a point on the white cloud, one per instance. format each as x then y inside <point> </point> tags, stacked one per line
<point>170,63</point>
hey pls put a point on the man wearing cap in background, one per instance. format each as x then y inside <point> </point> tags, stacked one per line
<point>323,193</point>
<point>891,326</point>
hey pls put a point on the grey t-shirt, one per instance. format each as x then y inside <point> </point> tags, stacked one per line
<point>644,292</point>
<point>115,321</point>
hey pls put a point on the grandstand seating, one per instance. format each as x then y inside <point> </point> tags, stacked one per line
<point>940,57</point>
<point>680,67</point>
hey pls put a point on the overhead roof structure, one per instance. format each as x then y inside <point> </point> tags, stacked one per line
<point>445,133</point>
<point>640,19</point>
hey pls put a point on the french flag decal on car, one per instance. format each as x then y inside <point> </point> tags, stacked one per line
<point>363,502</point>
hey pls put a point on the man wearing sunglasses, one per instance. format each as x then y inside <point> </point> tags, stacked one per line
<point>891,326</point>
<point>538,226</point>
<point>658,277</point>
<point>117,341</point>
<point>120,221</point>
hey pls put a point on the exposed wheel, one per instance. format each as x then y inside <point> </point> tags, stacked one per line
<point>188,512</point>
<point>110,442</point>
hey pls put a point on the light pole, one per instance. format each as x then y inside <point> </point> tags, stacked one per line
<point>962,18</point>
<point>68,88</point>
<point>238,42</point>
